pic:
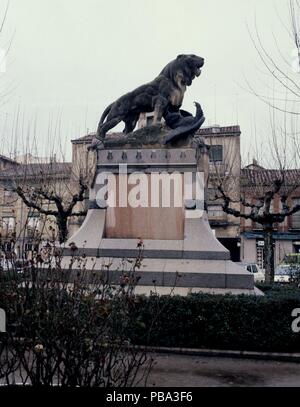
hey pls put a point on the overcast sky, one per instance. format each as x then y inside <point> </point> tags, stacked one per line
<point>70,58</point>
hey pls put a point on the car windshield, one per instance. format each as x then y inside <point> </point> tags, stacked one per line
<point>252,268</point>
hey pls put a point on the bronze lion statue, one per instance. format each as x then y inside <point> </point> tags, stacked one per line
<point>165,93</point>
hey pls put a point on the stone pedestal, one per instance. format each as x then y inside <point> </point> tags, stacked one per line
<point>177,237</point>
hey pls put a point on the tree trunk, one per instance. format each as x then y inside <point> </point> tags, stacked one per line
<point>269,255</point>
<point>62,223</point>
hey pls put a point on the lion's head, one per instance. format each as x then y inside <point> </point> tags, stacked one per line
<point>185,68</point>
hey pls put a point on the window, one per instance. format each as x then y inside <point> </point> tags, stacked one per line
<point>30,247</point>
<point>8,247</point>
<point>216,153</point>
<point>215,211</point>
<point>149,120</point>
<point>8,223</point>
<point>8,196</point>
<point>33,225</point>
<point>252,268</point>
<point>296,216</point>
<point>33,222</point>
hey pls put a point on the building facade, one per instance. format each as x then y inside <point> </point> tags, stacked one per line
<point>225,157</point>
<point>287,233</point>
<point>20,226</point>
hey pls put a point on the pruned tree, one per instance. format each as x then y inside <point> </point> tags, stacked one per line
<point>259,190</point>
<point>51,190</point>
<point>57,205</point>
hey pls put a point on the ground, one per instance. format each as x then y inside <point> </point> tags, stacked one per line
<point>172,370</point>
<point>198,371</point>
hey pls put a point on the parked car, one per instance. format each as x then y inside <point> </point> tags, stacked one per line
<point>286,273</point>
<point>259,275</point>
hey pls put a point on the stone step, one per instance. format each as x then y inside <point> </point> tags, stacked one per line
<point>218,274</point>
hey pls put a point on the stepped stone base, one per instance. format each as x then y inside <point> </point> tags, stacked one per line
<point>177,276</point>
<point>181,253</point>
<point>184,291</point>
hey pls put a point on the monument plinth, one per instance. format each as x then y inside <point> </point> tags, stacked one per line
<point>147,190</point>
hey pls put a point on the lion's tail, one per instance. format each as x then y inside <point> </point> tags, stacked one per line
<point>105,113</point>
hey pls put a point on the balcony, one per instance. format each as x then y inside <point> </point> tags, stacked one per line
<point>218,223</point>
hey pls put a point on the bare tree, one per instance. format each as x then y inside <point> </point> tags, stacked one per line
<point>259,190</point>
<point>55,190</point>
<point>48,197</point>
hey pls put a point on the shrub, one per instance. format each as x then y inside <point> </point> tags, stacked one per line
<point>68,326</point>
<point>220,322</point>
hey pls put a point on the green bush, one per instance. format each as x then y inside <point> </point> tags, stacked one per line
<point>279,289</point>
<point>220,322</point>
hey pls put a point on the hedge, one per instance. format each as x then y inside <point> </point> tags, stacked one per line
<point>219,322</point>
